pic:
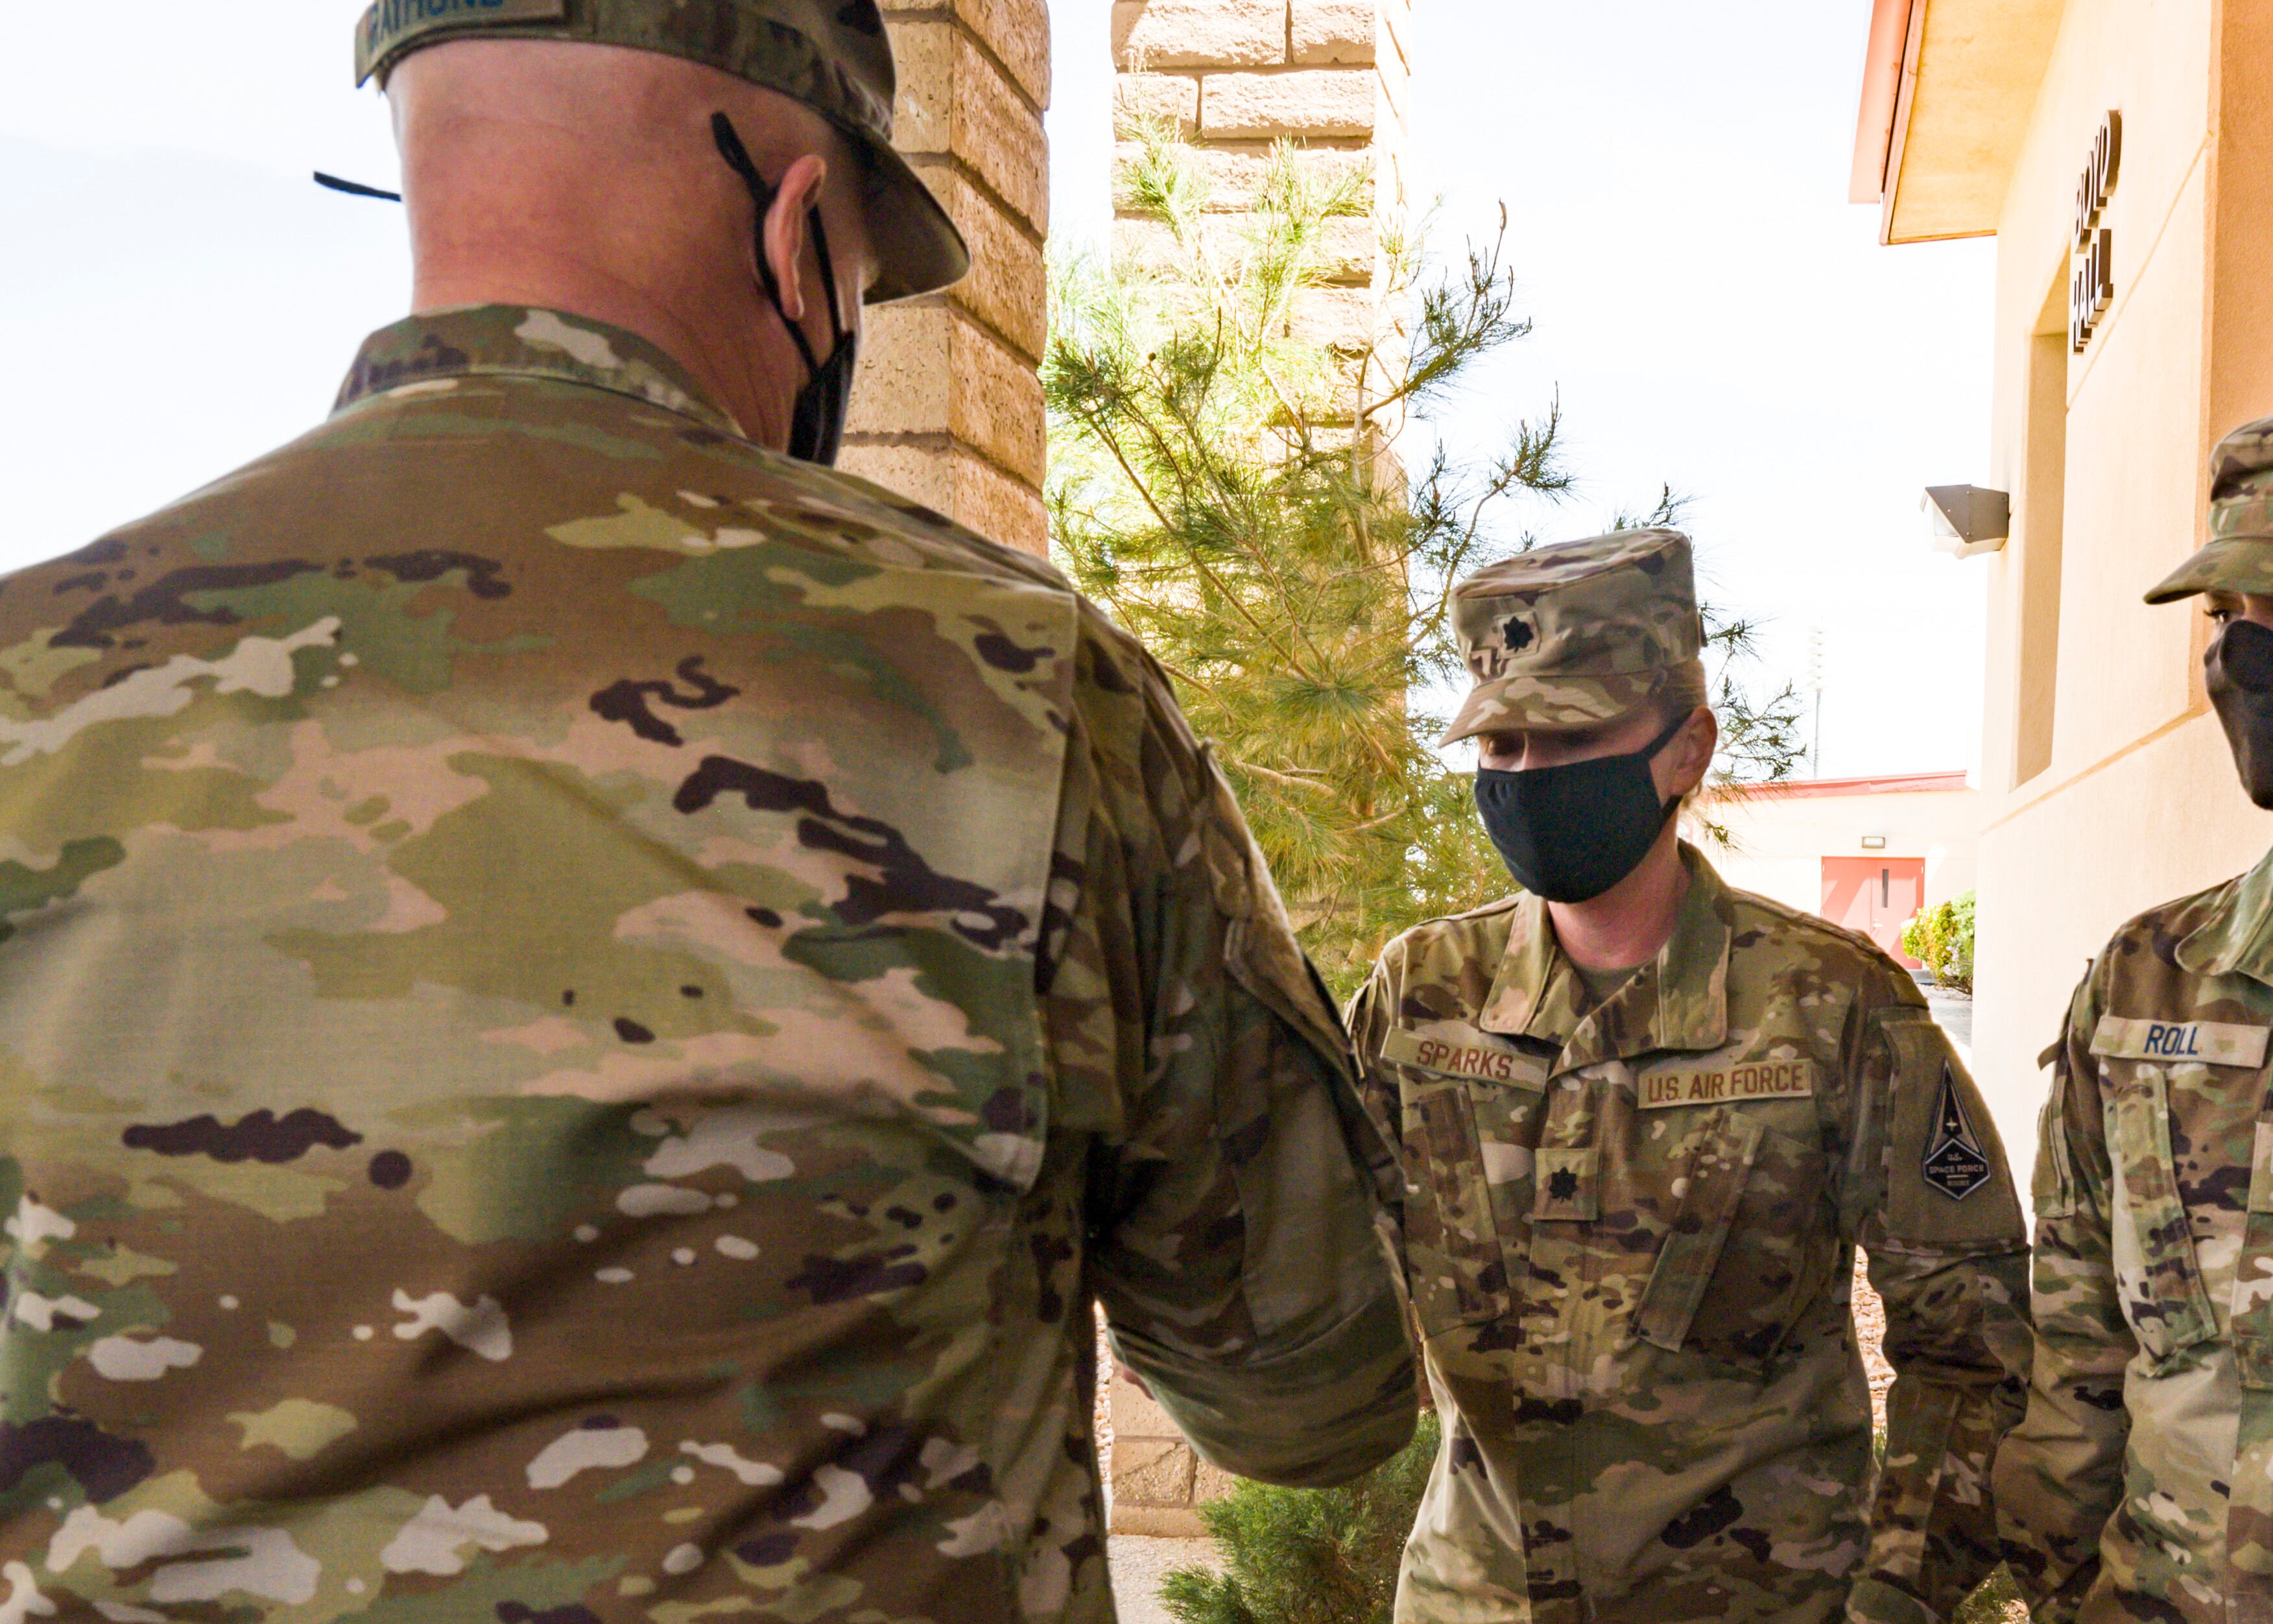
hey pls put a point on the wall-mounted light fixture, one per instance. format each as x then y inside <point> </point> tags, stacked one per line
<point>1968,520</point>
<point>1874,843</point>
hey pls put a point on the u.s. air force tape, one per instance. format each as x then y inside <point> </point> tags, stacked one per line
<point>2205,1042</point>
<point>391,24</point>
<point>1726,1083</point>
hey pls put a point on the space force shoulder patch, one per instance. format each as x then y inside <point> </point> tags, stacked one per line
<point>2206,1042</point>
<point>1955,1163</point>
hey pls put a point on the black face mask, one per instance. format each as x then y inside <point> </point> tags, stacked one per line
<point>1569,833</point>
<point>2239,669</point>
<point>817,431</point>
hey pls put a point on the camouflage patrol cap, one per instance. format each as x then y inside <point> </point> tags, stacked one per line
<point>2240,556</point>
<point>831,55</point>
<point>1576,634</point>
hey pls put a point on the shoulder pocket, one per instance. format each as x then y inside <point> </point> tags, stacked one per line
<point>1947,1182</point>
<point>2166,1302</point>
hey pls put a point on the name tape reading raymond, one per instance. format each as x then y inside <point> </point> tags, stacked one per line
<point>1726,1085</point>
<point>1457,1051</point>
<point>2205,1041</point>
<point>391,22</point>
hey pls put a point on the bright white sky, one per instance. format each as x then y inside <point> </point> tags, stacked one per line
<point>177,298</point>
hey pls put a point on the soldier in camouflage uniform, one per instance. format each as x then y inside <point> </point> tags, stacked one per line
<point>585,1009</point>
<point>1632,1200</point>
<point>2139,1484</point>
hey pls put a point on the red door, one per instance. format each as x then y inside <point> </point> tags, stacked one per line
<point>1877,896</point>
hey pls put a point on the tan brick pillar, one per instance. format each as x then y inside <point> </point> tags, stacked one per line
<point>948,405</point>
<point>1237,76</point>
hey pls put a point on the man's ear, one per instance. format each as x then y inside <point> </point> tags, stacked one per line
<point>784,237</point>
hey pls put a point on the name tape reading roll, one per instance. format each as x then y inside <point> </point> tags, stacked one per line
<point>2207,1043</point>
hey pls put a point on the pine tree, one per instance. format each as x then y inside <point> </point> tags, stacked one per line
<point>1229,487</point>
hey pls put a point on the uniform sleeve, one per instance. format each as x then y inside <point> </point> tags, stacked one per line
<point>1948,1254</point>
<point>1237,1225</point>
<point>1368,1019</point>
<point>2060,1476</point>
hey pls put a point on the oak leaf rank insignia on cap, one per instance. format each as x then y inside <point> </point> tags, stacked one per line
<point>1577,635</point>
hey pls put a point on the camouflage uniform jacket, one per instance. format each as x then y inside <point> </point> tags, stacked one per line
<point>584,1010</point>
<point>2139,1484</point>
<point>1630,1238</point>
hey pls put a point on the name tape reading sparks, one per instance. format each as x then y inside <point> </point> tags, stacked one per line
<point>1458,1052</point>
<point>1722,1085</point>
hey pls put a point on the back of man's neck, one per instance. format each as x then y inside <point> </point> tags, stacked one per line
<point>1628,925</point>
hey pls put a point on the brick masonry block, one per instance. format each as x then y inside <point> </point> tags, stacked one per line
<point>1145,244</point>
<point>1137,97</point>
<point>1153,1471</point>
<point>1016,31</point>
<point>954,102</point>
<point>1198,33</point>
<point>1158,1523</point>
<point>1211,1483</point>
<point>1342,319</point>
<point>973,492</point>
<point>1137,1414</point>
<point>931,370</point>
<point>1008,290</point>
<point>1235,174</point>
<point>1348,250</point>
<point>1308,102</point>
<point>1337,31</point>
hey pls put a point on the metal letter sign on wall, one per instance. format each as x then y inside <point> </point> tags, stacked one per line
<point>2093,289</point>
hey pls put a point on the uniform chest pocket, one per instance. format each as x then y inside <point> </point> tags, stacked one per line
<point>1748,1245</point>
<point>1452,1254</point>
<point>2157,1271</point>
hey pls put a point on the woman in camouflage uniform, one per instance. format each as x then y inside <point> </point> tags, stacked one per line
<point>1644,1121</point>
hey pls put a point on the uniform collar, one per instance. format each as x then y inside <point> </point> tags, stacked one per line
<point>2236,934</point>
<point>1678,1000</point>
<point>516,341</point>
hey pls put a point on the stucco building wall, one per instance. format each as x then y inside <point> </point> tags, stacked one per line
<point>2106,780</point>
<point>1778,837</point>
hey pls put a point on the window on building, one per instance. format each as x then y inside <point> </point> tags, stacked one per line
<point>2036,543</point>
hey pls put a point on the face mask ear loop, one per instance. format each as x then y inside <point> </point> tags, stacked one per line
<point>738,159</point>
<point>1657,745</point>
<point>827,278</point>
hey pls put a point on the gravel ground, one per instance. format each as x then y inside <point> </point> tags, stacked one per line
<point>1954,1011</point>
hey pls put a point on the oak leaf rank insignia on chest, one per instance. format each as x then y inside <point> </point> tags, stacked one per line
<point>1954,1163</point>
